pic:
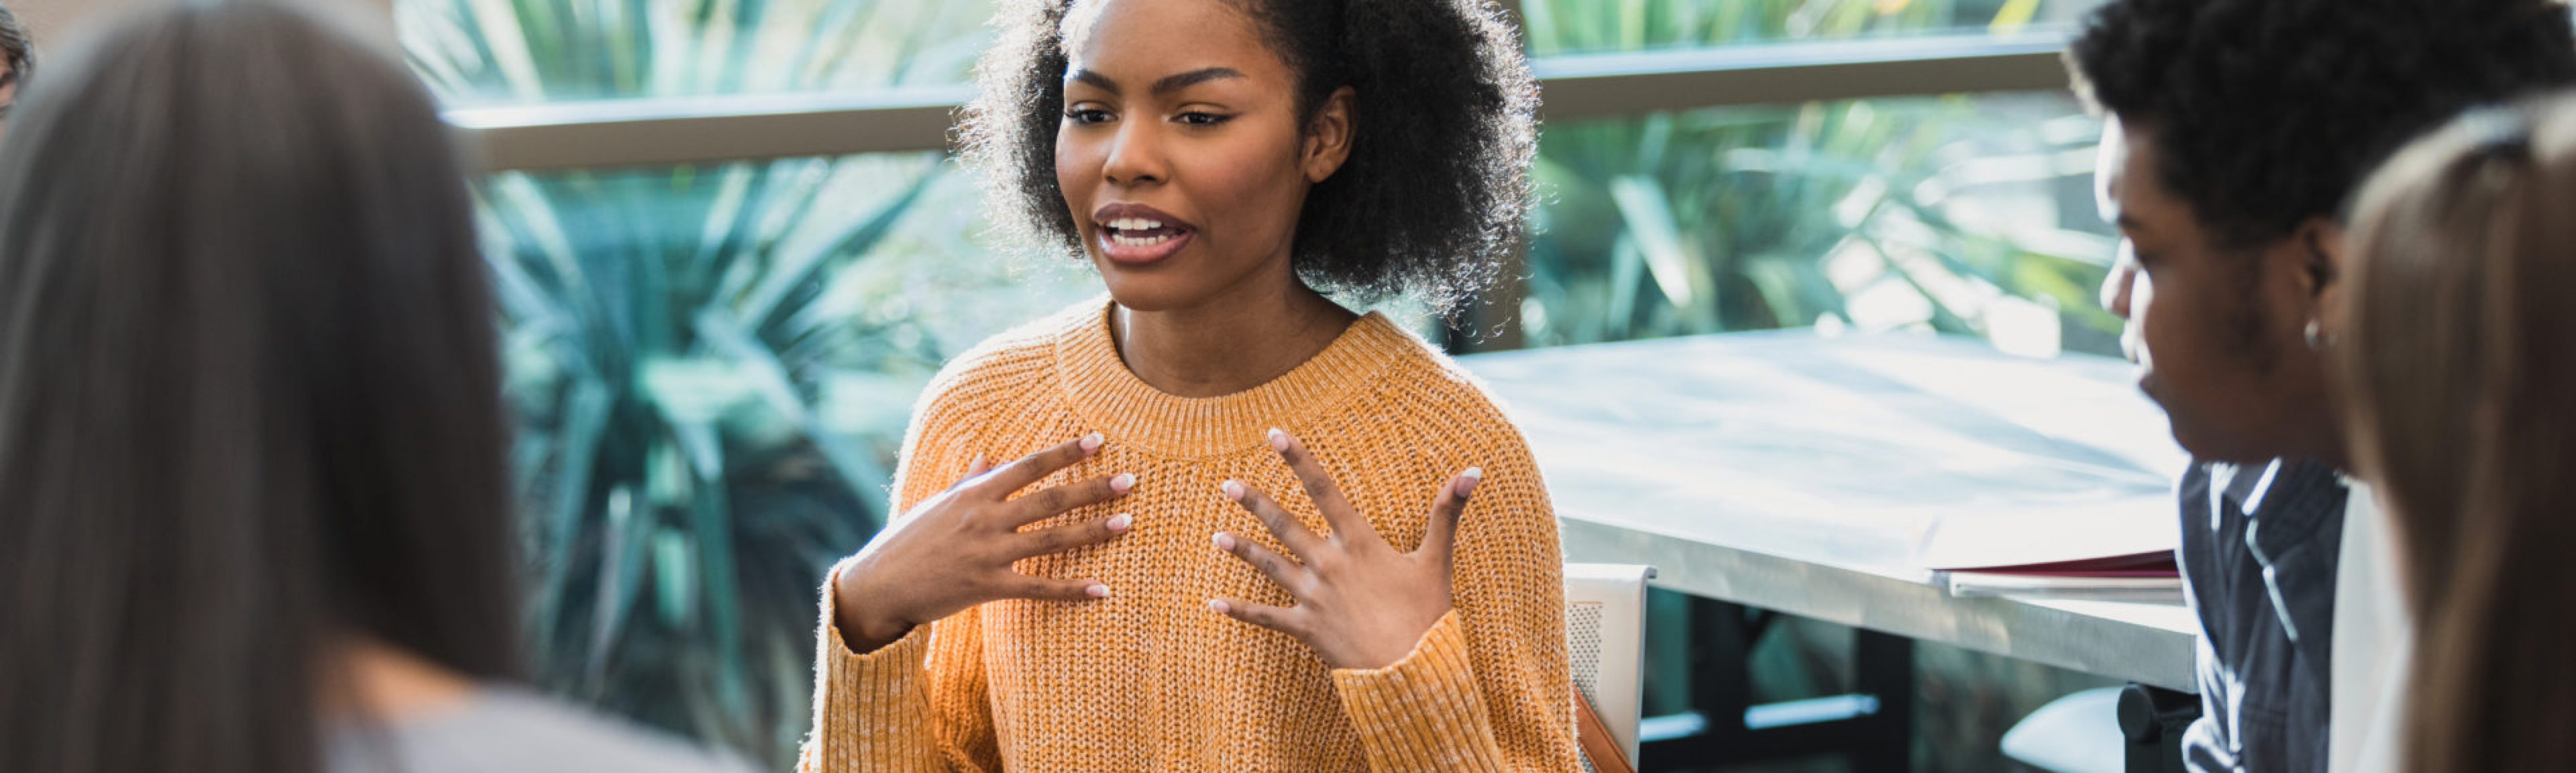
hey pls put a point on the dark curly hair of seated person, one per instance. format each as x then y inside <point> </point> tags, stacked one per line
<point>1436,189</point>
<point>2270,113</point>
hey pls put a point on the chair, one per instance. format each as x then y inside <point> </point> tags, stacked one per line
<point>2079,733</point>
<point>1605,625</point>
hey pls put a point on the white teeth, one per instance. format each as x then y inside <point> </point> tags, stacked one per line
<point>1133,232</point>
<point>1138,241</point>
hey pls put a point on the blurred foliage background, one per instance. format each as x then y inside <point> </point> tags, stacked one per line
<point>713,364</point>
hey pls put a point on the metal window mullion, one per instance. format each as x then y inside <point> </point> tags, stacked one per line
<point>1629,84</point>
<point>718,129</point>
<point>668,132</point>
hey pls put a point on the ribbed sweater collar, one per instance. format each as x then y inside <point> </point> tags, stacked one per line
<point>1130,412</point>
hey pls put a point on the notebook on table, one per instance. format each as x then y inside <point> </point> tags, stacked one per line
<point>2095,555</point>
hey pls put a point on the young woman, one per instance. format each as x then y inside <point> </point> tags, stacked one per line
<point>2455,347</point>
<point>1392,599</point>
<point>253,511</point>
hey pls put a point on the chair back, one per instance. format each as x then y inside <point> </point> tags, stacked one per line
<point>1605,631</point>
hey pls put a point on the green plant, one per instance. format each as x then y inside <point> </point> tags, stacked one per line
<point>559,50</point>
<point>684,484</point>
<point>1555,27</point>
<point>708,379</point>
<point>713,369</point>
<point>1872,213</point>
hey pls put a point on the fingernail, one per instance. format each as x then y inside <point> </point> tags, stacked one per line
<point>1122,483</point>
<point>1218,606</point>
<point>1097,591</point>
<point>1278,440</point>
<point>1224,541</point>
<point>1121,521</point>
<point>1092,442</point>
<point>1233,490</point>
<point>1470,478</point>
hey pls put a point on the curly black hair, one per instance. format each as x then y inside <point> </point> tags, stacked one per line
<point>1437,185</point>
<point>2271,112</point>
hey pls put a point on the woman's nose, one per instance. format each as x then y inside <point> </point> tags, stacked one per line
<point>1135,156</point>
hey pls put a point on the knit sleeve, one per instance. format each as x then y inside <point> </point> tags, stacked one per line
<point>1489,687</point>
<point>919,705</point>
<point>914,706</point>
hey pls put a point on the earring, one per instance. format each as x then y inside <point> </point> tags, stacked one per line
<point>2317,338</point>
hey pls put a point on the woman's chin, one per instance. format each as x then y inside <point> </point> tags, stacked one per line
<point>1149,301</point>
<point>1148,291</point>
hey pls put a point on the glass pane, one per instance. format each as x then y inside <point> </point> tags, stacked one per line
<point>1557,27</point>
<point>476,52</point>
<point>1960,214</point>
<point>712,368</point>
<point>479,52</point>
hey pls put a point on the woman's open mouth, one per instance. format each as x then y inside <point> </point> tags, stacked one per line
<point>1134,234</point>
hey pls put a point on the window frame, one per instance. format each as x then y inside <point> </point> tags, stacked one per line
<point>664,131</point>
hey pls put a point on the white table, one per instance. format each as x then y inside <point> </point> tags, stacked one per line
<point>1800,473</point>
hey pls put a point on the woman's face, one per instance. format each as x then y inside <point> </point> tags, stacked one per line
<point>1181,154</point>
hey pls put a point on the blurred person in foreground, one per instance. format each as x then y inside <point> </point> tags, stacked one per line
<point>2457,348</point>
<point>2237,130</point>
<point>254,516</point>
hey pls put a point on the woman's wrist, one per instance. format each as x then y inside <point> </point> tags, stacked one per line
<point>872,635</point>
<point>864,629</point>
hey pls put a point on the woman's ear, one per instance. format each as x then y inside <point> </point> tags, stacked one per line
<point>1328,137</point>
<point>2324,240</point>
<point>2322,272</point>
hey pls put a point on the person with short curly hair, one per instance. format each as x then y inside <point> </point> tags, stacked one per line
<point>2237,131</point>
<point>1260,532</point>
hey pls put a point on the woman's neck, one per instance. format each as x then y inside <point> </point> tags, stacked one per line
<point>1228,343</point>
<point>388,683</point>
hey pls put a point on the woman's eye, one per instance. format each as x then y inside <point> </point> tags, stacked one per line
<point>1203,119</point>
<point>1082,115</point>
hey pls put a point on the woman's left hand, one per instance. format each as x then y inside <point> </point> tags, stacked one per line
<point>1360,604</point>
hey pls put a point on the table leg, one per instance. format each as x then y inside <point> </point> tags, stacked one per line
<point>1885,670</point>
<point>1873,726</point>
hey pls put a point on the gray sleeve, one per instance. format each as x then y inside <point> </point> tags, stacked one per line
<point>506,730</point>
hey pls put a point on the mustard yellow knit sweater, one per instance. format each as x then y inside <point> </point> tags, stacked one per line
<point>1149,679</point>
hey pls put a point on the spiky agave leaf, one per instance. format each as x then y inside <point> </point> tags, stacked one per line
<point>683,492</point>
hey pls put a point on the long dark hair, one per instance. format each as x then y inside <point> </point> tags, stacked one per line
<point>249,401</point>
<point>2459,375</point>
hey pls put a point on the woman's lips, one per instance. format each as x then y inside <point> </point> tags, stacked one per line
<point>1137,240</point>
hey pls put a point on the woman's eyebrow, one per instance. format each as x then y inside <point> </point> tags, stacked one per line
<point>1172,83</point>
<point>1167,85</point>
<point>1096,80</point>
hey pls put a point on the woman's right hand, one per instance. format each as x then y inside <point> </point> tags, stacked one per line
<point>956,550</point>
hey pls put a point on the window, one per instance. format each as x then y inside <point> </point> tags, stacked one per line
<point>1959,214</point>
<point>1559,27</point>
<point>482,52</point>
<point>712,367</point>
